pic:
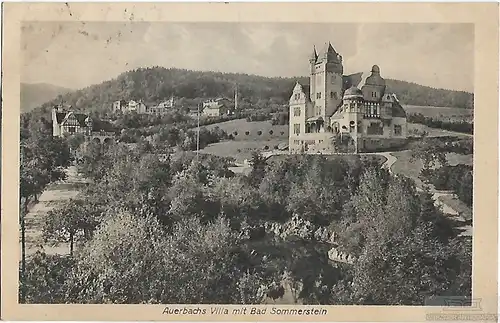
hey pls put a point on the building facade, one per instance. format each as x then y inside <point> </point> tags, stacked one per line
<point>66,123</point>
<point>217,108</point>
<point>141,108</point>
<point>161,108</point>
<point>333,115</point>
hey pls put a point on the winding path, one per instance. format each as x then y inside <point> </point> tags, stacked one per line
<point>54,195</point>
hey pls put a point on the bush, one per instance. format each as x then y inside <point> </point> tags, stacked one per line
<point>235,133</point>
<point>259,133</point>
<point>266,147</point>
<point>247,133</point>
<point>271,132</point>
<point>282,133</point>
<point>461,126</point>
<point>456,178</point>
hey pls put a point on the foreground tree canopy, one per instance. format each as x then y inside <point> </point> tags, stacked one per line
<point>181,229</point>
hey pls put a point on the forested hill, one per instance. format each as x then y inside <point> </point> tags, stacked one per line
<point>415,94</point>
<point>33,95</point>
<point>158,83</point>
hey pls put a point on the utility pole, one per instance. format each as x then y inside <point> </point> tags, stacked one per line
<point>198,135</point>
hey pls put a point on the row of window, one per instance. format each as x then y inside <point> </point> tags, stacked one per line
<point>333,95</point>
<point>296,111</point>
<point>308,142</point>
<point>373,129</point>
<point>319,78</point>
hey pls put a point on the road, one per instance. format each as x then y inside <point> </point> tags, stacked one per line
<point>54,195</point>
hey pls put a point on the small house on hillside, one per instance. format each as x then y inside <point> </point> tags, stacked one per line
<point>218,107</point>
<point>65,122</point>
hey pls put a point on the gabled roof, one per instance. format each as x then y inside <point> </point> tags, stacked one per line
<point>352,80</point>
<point>304,89</point>
<point>397,110</point>
<point>314,55</point>
<point>60,117</point>
<point>80,117</point>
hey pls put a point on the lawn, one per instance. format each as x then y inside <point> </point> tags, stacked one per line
<point>442,113</point>
<point>457,205</point>
<point>243,130</point>
<point>416,129</point>
<point>241,150</point>
<point>411,169</point>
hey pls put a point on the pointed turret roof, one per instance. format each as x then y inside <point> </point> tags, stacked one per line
<point>329,53</point>
<point>331,49</point>
<point>324,50</point>
<point>314,55</point>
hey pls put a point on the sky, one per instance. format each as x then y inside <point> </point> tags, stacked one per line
<point>79,54</point>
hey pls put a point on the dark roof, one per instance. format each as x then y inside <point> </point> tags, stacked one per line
<point>305,89</point>
<point>352,80</point>
<point>397,110</point>
<point>81,118</point>
<point>60,117</point>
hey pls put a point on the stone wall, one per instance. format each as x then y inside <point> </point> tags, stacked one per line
<point>378,144</point>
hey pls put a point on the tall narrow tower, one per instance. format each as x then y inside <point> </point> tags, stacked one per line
<point>327,77</point>
<point>236,97</point>
<point>312,83</point>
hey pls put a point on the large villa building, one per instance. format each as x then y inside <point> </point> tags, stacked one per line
<point>333,112</point>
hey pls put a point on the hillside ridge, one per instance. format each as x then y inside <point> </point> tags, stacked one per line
<point>154,84</point>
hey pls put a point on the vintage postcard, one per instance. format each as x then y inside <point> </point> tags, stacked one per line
<point>250,162</point>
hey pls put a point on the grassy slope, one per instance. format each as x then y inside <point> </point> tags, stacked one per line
<point>241,126</point>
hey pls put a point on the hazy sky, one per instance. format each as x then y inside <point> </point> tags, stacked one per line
<point>76,55</point>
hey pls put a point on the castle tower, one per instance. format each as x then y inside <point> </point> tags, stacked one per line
<point>326,82</point>
<point>312,64</point>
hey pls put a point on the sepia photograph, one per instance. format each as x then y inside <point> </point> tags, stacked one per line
<point>246,163</point>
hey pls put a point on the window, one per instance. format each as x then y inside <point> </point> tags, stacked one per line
<point>375,129</point>
<point>296,112</point>
<point>398,130</point>
<point>318,95</point>
<point>296,128</point>
<point>333,79</point>
<point>297,96</point>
